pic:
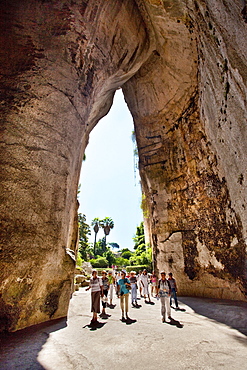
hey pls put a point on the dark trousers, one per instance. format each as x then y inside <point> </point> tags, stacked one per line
<point>174,295</point>
<point>105,294</point>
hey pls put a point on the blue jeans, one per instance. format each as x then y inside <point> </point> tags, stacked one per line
<point>133,292</point>
<point>174,295</point>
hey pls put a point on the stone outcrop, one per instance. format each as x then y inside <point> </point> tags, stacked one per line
<point>182,66</point>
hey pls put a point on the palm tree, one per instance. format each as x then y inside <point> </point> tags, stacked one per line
<point>96,223</point>
<point>107,224</point>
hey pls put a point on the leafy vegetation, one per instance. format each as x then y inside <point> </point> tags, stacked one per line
<point>100,253</point>
<point>84,232</point>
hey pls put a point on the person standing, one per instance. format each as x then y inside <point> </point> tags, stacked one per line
<point>123,286</point>
<point>173,285</point>
<point>133,283</point>
<point>96,286</point>
<point>117,277</point>
<point>154,284</point>
<point>164,292</point>
<point>111,281</point>
<point>139,283</point>
<point>144,282</point>
<point>105,283</point>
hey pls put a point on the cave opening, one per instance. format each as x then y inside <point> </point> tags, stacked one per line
<point>109,180</point>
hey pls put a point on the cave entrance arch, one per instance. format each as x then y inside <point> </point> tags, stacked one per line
<point>109,180</point>
<point>60,70</point>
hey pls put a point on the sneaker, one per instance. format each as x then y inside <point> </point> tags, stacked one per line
<point>169,317</point>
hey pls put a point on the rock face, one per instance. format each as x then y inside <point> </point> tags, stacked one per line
<point>183,69</point>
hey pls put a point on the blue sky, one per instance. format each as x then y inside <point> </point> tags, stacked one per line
<point>109,186</point>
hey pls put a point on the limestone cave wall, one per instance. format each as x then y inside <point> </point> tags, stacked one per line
<point>189,105</point>
<point>182,67</point>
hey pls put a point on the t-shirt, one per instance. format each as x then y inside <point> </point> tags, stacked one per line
<point>133,280</point>
<point>121,283</point>
<point>154,279</point>
<point>172,282</point>
<point>164,285</point>
<point>105,283</point>
<point>144,279</point>
<point>95,284</point>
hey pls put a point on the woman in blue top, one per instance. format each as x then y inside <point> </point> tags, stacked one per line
<point>123,286</point>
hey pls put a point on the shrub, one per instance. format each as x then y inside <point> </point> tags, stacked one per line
<point>99,262</point>
<point>79,260</point>
<point>126,254</point>
<point>120,261</point>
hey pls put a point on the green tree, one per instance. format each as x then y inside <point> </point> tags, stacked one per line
<point>100,247</point>
<point>141,248</point>
<point>143,253</point>
<point>84,232</point>
<point>96,225</point>
<point>126,253</point>
<point>114,245</point>
<point>139,238</point>
<point>107,224</point>
<point>110,257</point>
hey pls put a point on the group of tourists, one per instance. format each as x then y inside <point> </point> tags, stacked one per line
<point>103,288</point>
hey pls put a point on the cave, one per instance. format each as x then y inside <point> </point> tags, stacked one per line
<point>183,71</point>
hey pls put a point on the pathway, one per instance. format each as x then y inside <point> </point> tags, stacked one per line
<point>207,334</point>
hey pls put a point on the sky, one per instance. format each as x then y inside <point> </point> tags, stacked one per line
<point>109,185</point>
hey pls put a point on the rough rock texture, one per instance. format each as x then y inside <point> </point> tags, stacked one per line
<point>189,105</point>
<point>183,69</point>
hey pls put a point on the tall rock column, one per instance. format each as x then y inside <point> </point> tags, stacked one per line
<point>61,63</point>
<point>188,106</point>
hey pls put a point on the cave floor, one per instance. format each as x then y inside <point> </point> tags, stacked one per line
<point>204,334</point>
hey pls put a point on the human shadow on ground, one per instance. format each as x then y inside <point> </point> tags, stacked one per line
<point>230,313</point>
<point>111,306</point>
<point>179,309</point>
<point>175,323</point>
<point>150,302</point>
<point>137,306</point>
<point>19,350</point>
<point>128,321</point>
<point>104,316</point>
<point>93,326</point>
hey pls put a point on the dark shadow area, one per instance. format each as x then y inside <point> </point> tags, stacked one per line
<point>19,350</point>
<point>93,326</point>
<point>178,309</point>
<point>104,316</point>
<point>230,313</point>
<point>137,305</point>
<point>111,306</point>
<point>128,321</point>
<point>175,323</point>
